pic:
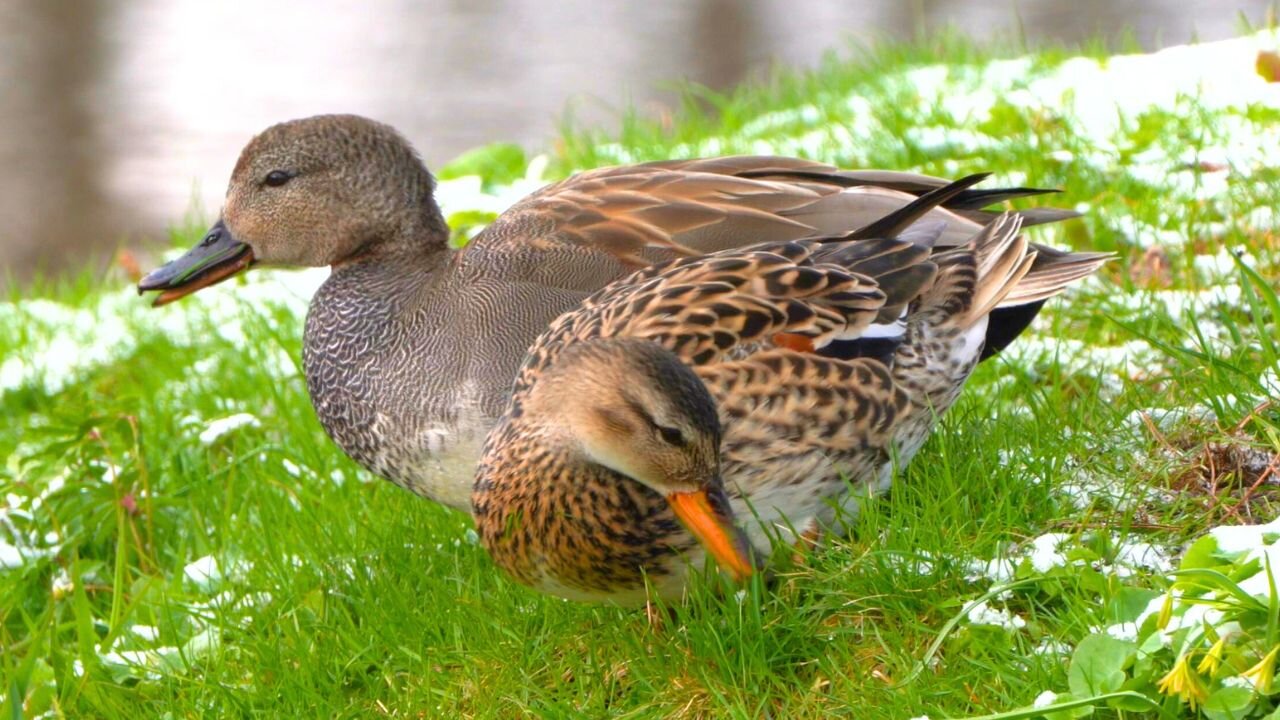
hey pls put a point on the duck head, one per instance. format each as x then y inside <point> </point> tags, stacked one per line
<point>635,408</point>
<point>324,190</point>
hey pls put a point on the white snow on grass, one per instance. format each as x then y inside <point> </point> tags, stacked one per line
<point>16,556</point>
<point>1097,101</point>
<point>984,614</point>
<point>1143,555</point>
<point>155,663</point>
<point>1245,538</point>
<point>146,633</point>
<point>1045,699</point>
<point>216,429</point>
<point>1044,553</point>
<point>10,556</point>
<point>207,573</point>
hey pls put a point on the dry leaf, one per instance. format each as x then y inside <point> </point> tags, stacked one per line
<point>129,263</point>
<point>1152,270</point>
<point>1268,65</point>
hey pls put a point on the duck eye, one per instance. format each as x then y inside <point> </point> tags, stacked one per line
<point>672,436</point>
<point>276,178</point>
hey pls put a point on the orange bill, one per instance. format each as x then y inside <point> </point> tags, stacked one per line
<point>721,538</point>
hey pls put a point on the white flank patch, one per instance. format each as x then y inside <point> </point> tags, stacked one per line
<point>885,330</point>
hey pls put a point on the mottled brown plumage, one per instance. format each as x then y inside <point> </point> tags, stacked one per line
<point>569,495</point>
<point>411,345</point>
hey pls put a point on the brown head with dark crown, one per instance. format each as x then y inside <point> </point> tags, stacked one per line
<point>633,407</point>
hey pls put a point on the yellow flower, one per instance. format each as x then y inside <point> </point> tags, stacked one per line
<point>1184,683</point>
<point>1262,673</point>
<point>1213,658</point>
<point>1166,611</point>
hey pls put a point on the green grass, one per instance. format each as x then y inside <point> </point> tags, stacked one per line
<point>346,597</point>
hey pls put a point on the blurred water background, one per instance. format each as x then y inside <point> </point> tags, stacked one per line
<point>117,118</point>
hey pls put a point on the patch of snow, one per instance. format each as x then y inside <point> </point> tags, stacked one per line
<point>110,471</point>
<point>1167,419</point>
<point>1144,555</point>
<point>984,614</point>
<point>66,341</point>
<point>998,570</point>
<point>1123,631</point>
<point>1259,584</point>
<point>1244,538</point>
<point>220,427</point>
<point>157,662</point>
<point>1221,264</point>
<point>1196,616</point>
<point>1044,554</point>
<point>10,556</point>
<point>1270,381</point>
<point>203,571</point>
<point>14,556</point>
<point>1050,646</point>
<point>146,633</point>
<point>208,572</point>
<point>1045,699</point>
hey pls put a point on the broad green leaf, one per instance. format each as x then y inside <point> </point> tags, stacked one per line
<point>1203,553</point>
<point>1229,703</point>
<point>1057,708</point>
<point>1097,666</point>
<point>1128,603</point>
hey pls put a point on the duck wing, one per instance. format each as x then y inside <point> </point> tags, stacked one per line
<point>596,226</point>
<point>726,305</point>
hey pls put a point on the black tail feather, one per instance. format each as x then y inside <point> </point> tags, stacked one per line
<point>1006,323</point>
<point>898,220</point>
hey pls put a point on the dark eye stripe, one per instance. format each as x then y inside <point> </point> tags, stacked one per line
<point>669,435</point>
<point>672,436</point>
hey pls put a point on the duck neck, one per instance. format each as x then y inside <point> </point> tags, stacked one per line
<point>368,352</point>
